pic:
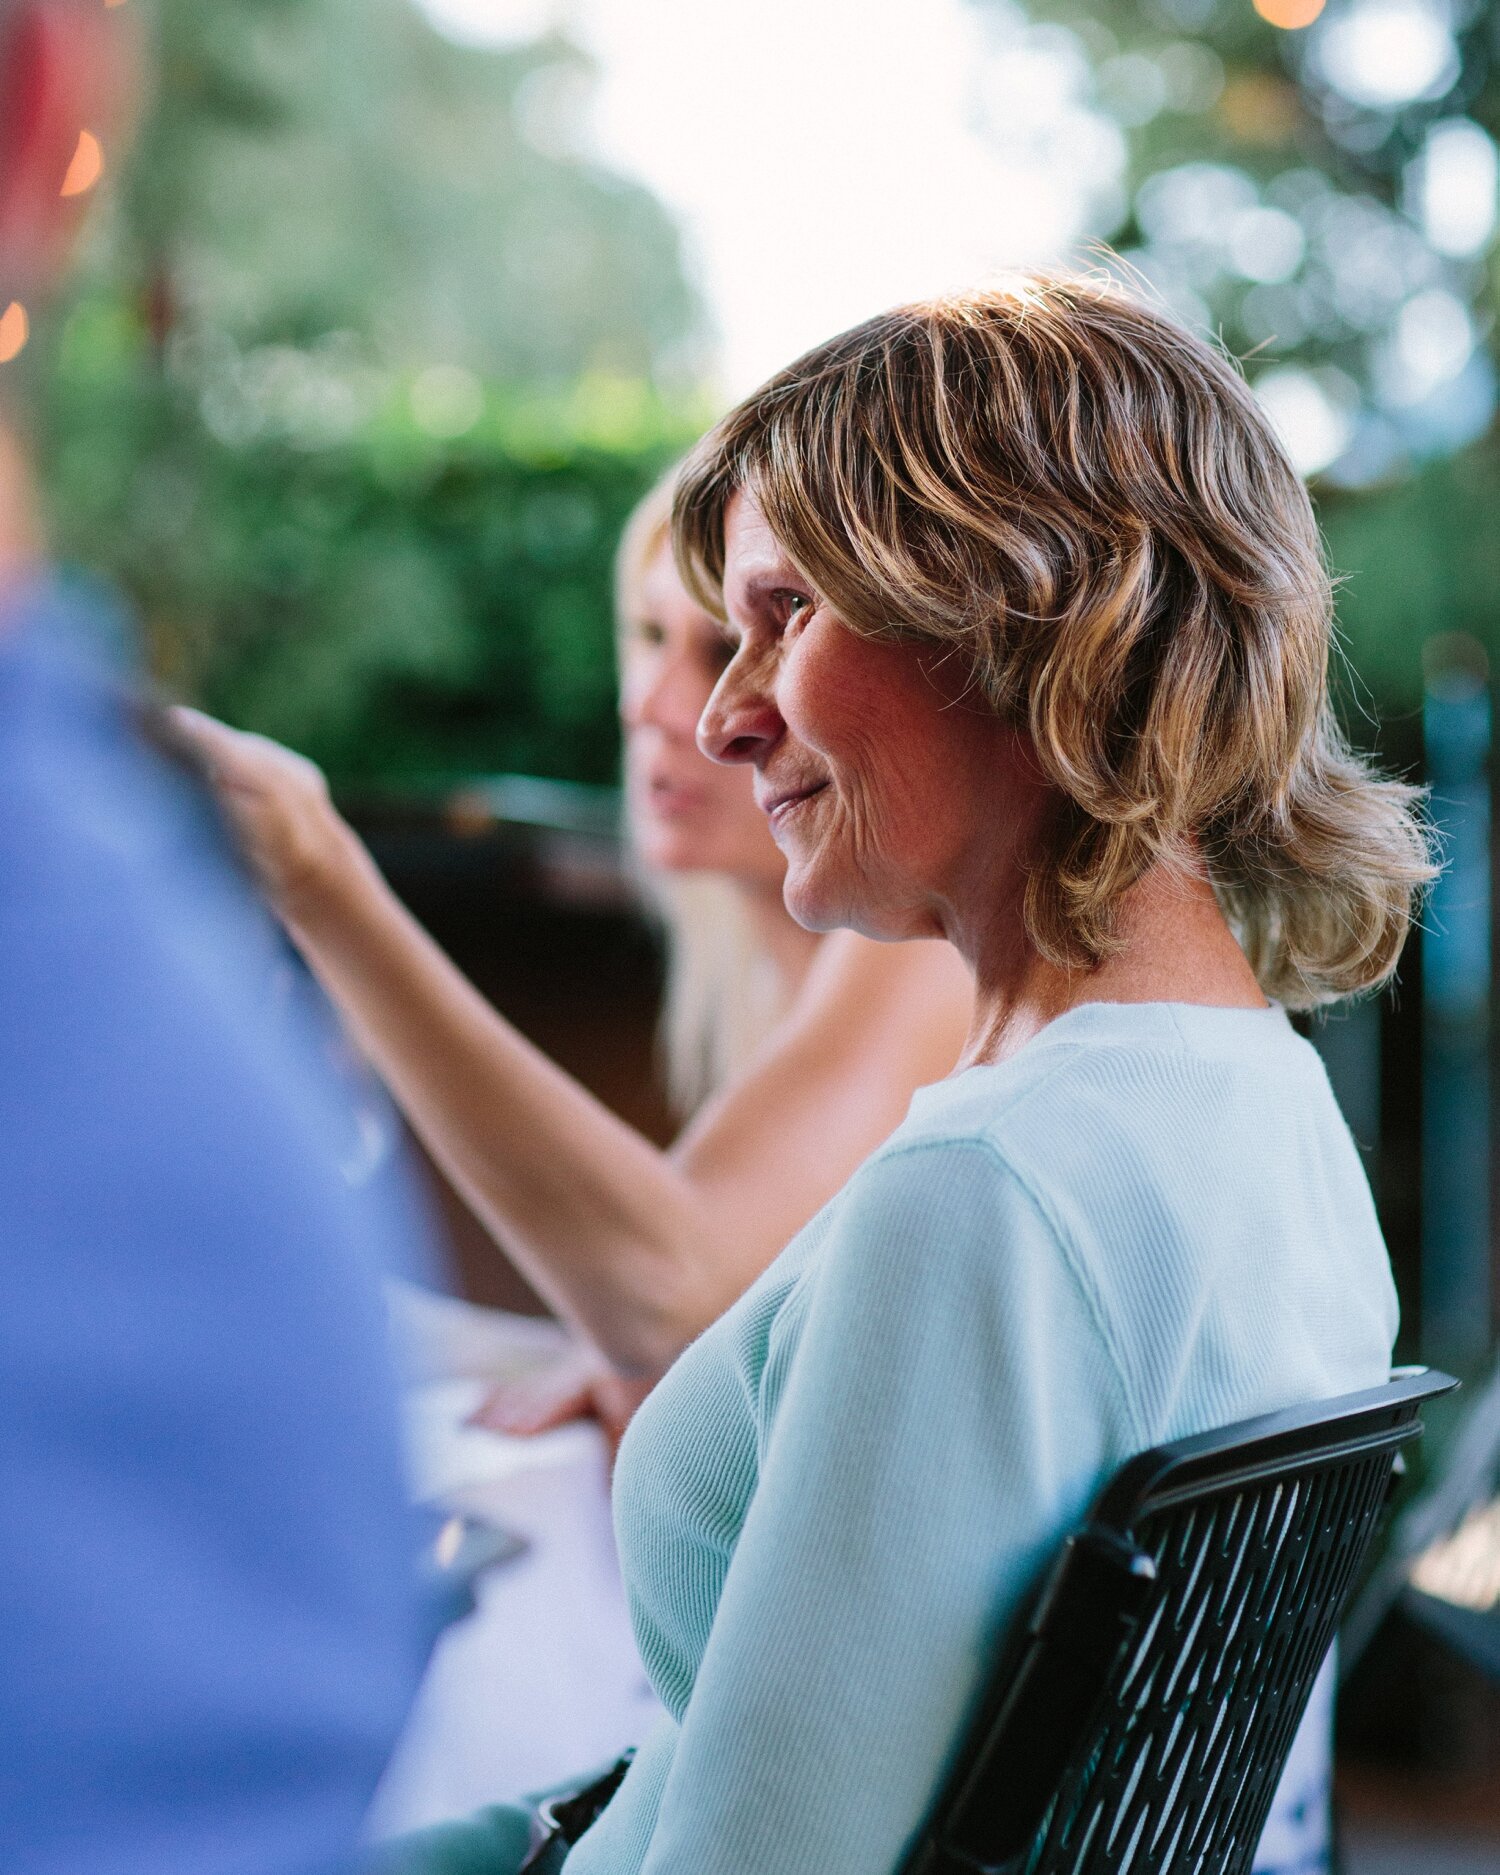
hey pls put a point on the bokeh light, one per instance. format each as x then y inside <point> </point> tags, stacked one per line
<point>1431,341</point>
<point>1290,15</point>
<point>494,22</point>
<point>1265,245</point>
<point>1386,53</point>
<point>446,401</point>
<point>15,329</point>
<point>1313,417</point>
<point>86,166</point>
<point>1452,187</point>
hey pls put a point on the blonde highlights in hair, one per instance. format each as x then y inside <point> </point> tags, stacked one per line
<point>1086,504</point>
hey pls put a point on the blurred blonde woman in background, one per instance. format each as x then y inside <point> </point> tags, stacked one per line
<point>734,957</point>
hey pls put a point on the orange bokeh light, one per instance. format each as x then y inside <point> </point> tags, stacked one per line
<point>15,329</point>
<point>1289,15</point>
<point>86,167</point>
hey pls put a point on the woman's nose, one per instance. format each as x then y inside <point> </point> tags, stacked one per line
<point>740,721</point>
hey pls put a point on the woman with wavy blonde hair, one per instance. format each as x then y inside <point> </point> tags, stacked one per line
<point>1139,487</point>
<point>1031,628</point>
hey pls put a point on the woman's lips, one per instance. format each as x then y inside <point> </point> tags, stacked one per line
<point>779,806</point>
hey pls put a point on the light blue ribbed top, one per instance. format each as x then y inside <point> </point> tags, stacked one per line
<point>1148,1222</point>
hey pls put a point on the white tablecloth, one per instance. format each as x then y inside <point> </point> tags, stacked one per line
<point>543,1681</point>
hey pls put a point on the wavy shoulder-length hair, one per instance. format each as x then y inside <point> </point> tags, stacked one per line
<point>1086,504</point>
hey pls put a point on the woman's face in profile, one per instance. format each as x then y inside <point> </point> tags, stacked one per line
<point>687,814</point>
<point>899,799</point>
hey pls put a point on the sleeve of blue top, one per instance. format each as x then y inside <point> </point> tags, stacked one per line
<point>208,1631</point>
<point>943,1416</point>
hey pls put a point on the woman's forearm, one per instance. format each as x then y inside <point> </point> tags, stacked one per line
<point>601,1221</point>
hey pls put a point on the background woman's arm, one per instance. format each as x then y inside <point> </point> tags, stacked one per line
<point>639,1248</point>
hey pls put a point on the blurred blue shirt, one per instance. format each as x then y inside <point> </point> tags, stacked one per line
<point>209,1631</point>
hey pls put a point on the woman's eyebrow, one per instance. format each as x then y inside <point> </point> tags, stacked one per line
<point>765,582</point>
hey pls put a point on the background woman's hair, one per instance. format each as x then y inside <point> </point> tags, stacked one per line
<point>722,992</point>
<point>1089,507</point>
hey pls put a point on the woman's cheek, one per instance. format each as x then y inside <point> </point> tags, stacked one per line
<point>807,693</point>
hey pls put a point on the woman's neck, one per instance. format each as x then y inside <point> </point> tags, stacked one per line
<point>1174,946</point>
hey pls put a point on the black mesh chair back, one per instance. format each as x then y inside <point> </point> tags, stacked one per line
<point>1142,1720</point>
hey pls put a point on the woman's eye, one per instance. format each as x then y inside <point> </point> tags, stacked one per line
<point>649,632</point>
<point>794,607</point>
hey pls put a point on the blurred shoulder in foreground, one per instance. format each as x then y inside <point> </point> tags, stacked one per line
<point>209,1634</point>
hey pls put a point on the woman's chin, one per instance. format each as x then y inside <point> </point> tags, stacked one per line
<point>810,904</point>
<point>821,903</point>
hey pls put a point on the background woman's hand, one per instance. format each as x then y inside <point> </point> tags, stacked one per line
<point>581,1387</point>
<point>278,803</point>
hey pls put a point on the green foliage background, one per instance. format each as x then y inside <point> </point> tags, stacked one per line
<point>404,608</point>
<point>1416,536</point>
<point>1419,558</point>
<point>408,578</point>
<point>325,200</point>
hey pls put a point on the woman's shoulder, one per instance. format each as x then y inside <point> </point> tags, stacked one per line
<point>1191,1170</point>
<point>1124,1071</point>
<point>928,1211</point>
<point>1120,1126</point>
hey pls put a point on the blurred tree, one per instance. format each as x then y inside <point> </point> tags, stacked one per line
<point>367,368</point>
<point>1317,183</point>
<point>311,166</point>
<point>405,575</point>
